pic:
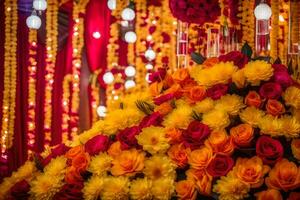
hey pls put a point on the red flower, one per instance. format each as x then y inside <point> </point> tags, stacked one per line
<point>97,144</point>
<point>269,150</point>
<point>294,196</point>
<point>155,119</point>
<point>195,134</point>
<point>217,91</point>
<point>220,165</point>
<point>20,190</point>
<point>158,76</point>
<point>59,150</point>
<point>282,76</point>
<point>70,192</point>
<point>270,90</point>
<point>127,137</point>
<point>163,98</point>
<point>237,57</point>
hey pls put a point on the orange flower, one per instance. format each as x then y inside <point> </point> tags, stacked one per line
<point>253,99</point>
<point>186,190</point>
<point>220,142</point>
<point>202,180</point>
<point>294,196</point>
<point>168,81</point>
<point>251,171</point>
<point>173,89</point>
<point>274,107</point>
<point>174,135</point>
<point>164,108</point>
<point>179,154</point>
<point>242,134</point>
<point>128,163</point>
<point>296,148</point>
<point>208,63</point>
<point>81,161</point>
<point>270,194</point>
<point>200,158</point>
<point>181,75</point>
<point>72,175</point>
<point>285,175</point>
<point>114,149</point>
<point>196,93</point>
<point>74,151</point>
<point>156,88</point>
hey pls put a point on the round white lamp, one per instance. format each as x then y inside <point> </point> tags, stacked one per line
<point>40,5</point>
<point>101,111</point>
<point>149,66</point>
<point>129,84</point>
<point>33,21</point>
<point>262,11</point>
<point>128,14</point>
<point>150,54</point>
<point>96,35</point>
<point>130,71</point>
<point>112,4</point>
<point>130,37</point>
<point>108,78</point>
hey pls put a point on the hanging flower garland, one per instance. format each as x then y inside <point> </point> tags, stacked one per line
<point>283,33</point>
<point>32,66</point>
<point>275,29</point>
<point>66,106</point>
<point>10,75</point>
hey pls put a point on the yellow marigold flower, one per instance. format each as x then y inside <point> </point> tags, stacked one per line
<point>128,101</point>
<point>296,114</point>
<point>257,71</point>
<point>115,188</point>
<point>45,187</point>
<point>231,188</point>
<point>230,103</point>
<point>239,78</point>
<point>140,189</point>
<point>56,167</point>
<point>159,166</point>
<point>216,119</point>
<point>204,106</point>
<point>218,74</point>
<point>270,125</point>
<point>291,97</point>
<point>153,139</point>
<point>251,115</point>
<point>184,111</point>
<point>290,126</point>
<point>100,164</point>
<point>163,188</point>
<point>128,163</point>
<point>93,188</point>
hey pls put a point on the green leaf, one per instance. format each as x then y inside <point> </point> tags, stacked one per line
<point>246,50</point>
<point>197,58</point>
<point>290,67</point>
<point>196,116</point>
<point>278,61</point>
<point>145,107</point>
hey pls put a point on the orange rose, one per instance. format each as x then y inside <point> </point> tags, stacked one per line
<point>274,107</point>
<point>128,163</point>
<point>74,151</point>
<point>200,158</point>
<point>168,81</point>
<point>251,171</point>
<point>72,175</point>
<point>208,63</point>
<point>156,88</point>
<point>294,196</point>
<point>181,75</point>
<point>270,194</point>
<point>296,148</point>
<point>253,99</point>
<point>173,89</point>
<point>285,175</point>
<point>179,154</point>
<point>202,180</point>
<point>186,190</point>
<point>196,93</point>
<point>81,161</point>
<point>164,108</point>
<point>114,149</point>
<point>220,142</point>
<point>242,135</point>
<point>174,135</point>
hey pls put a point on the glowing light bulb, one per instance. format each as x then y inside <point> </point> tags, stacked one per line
<point>96,35</point>
<point>262,11</point>
<point>129,84</point>
<point>150,54</point>
<point>130,71</point>
<point>108,78</point>
<point>149,66</point>
<point>101,111</point>
<point>130,37</point>
<point>128,14</point>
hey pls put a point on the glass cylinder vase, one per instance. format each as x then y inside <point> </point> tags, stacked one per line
<point>262,37</point>
<point>213,45</point>
<point>182,44</point>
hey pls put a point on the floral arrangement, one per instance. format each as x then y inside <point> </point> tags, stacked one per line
<point>225,129</point>
<point>198,12</point>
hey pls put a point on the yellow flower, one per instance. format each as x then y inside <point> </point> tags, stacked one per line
<point>153,140</point>
<point>251,115</point>
<point>93,188</point>
<point>56,167</point>
<point>115,188</point>
<point>159,166</point>
<point>100,164</point>
<point>218,74</point>
<point>230,103</point>
<point>140,189</point>
<point>128,101</point>
<point>270,125</point>
<point>204,106</point>
<point>257,71</point>
<point>239,78</point>
<point>296,114</point>
<point>163,188</point>
<point>216,119</point>
<point>184,111</point>
<point>291,97</point>
<point>290,126</point>
<point>231,188</point>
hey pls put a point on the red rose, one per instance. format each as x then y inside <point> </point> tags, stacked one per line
<point>195,134</point>
<point>294,196</point>
<point>269,149</point>
<point>70,192</point>
<point>217,91</point>
<point>155,119</point>
<point>20,190</point>
<point>220,165</point>
<point>270,90</point>
<point>127,137</point>
<point>237,57</point>
<point>158,76</point>
<point>59,150</point>
<point>282,76</point>
<point>97,144</point>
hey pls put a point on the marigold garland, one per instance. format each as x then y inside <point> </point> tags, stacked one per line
<point>275,29</point>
